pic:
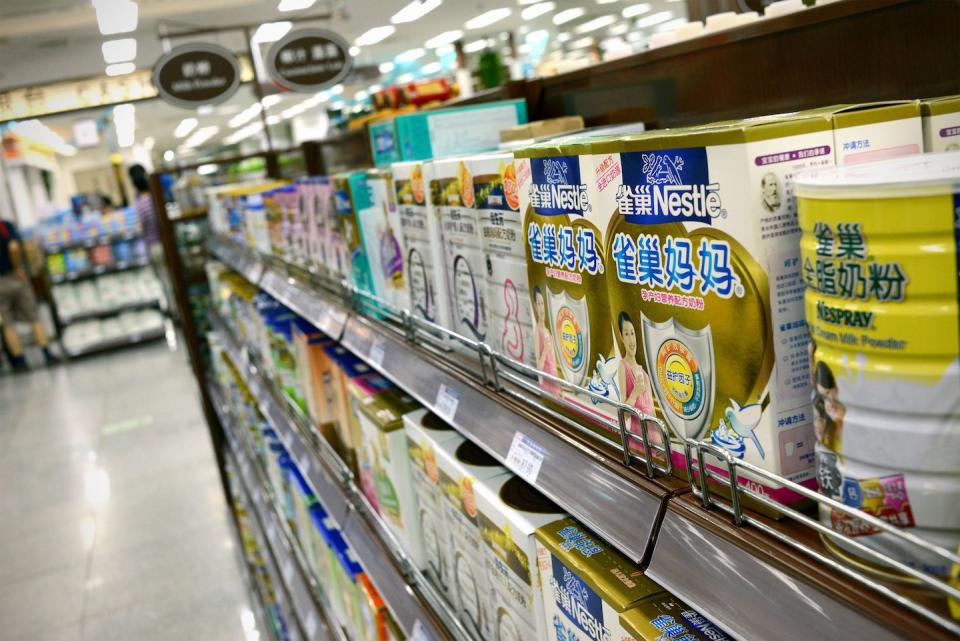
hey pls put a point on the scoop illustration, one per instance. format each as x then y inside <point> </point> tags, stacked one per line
<point>744,420</point>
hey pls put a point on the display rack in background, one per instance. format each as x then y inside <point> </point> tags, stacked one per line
<point>103,292</point>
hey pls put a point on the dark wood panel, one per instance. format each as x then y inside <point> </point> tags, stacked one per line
<point>850,51</point>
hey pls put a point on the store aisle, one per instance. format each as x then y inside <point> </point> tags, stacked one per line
<point>113,523</point>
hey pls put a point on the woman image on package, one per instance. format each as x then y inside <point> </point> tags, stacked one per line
<point>633,379</point>
<point>546,357</point>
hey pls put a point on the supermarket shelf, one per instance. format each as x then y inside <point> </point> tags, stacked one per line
<point>115,343</point>
<point>99,270</point>
<point>324,312</point>
<point>309,614</point>
<point>331,481</point>
<point>238,258</point>
<point>89,243</point>
<point>110,311</point>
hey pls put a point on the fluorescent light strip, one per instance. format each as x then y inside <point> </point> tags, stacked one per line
<point>476,45</point>
<point>445,38</point>
<point>654,19</point>
<point>487,18</point>
<point>121,69</point>
<point>121,50</point>
<point>271,31</point>
<point>410,55</point>
<point>567,15</point>
<point>635,10</point>
<point>375,35</point>
<point>386,67</point>
<point>596,23</point>
<point>537,10</point>
<point>185,127</point>
<point>295,5</point>
<point>414,11</point>
<point>431,68</point>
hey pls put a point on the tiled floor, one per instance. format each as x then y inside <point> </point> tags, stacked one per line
<point>113,523</point>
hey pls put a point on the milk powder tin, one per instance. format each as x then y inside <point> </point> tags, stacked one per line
<point>455,202</point>
<point>705,287</point>
<point>422,237</point>
<point>510,325</point>
<point>880,263</point>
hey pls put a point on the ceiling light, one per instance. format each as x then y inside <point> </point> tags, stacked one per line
<point>270,101</point>
<point>526,2</point>
<point>673,24</point>
<point>149,142</point>
<point>404,78</point>
<point>246,115</point>
<point>433,67</point>
<point>487,18</point>
<point>476,45</point>
<point>654,19</point>
<point>354,51</point>
<point>185,127</point>
<point>596,23</point>
<point>537,10</point>
<point>606,1</point>
<point>444,50</point>
<point>336,90</point>
<point>537,36</point>
<point>581,43</point>
<point>619,29</point>
<point>168,155</point>
<point>385,67</point>
<point>295,5</point>
<point>567,15</point>
<point>201,136</point>
<point>122,50</point>
<point>414,11</point>
<point>116,16</point>
<point>410,55</point>
<point>445,38</point>
<point>338,105</point>
<point>121,69</point>
<point>274,120</point>
<point>374,89</point>
<point>360,96</point>
<point>210,168</point>
<point>271,31</point>
<point>635,10</point>
<point>563,37</point>
<point>204,110</point>
<point>375,35</point>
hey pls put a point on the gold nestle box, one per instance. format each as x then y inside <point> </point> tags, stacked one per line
<point>941,124</point>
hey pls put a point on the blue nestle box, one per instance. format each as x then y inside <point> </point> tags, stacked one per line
<point>436,133</point>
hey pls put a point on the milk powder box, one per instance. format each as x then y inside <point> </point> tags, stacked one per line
<point>435,133</point>
<point>586,585</point>
<point>510,510</point>
<point>346,188</point>
<point>875,131</point>
<point>454,201</point>
<point>370,617</point>
<point>321,226</point>
<point>426,432</point>
<point>378,225</point>
<point>461,470</point>
<point>705,287</point>
<point>509,321</point>
<point>359,390</point>
<point>664,616</point>
<point>295,230</point>
<point>941,124</point>
<point>423,240</point>
<point>385,445</point>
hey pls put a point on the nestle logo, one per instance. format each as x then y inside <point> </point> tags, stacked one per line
<point>558,191</point>
<point>555,171</point>
<point>662,170</point>
<point>667,185</point>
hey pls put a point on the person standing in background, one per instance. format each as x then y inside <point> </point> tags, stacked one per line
<point>150,226</point>
<point>17,300</point>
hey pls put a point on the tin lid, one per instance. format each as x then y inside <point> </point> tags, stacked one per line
<point>520,495</point>
<point>433,422</point>
<point>917,175</point>
<point>472,454</point>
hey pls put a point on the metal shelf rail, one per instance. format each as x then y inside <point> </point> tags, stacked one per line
<point>413,601</point>
<point>309,614</point>
<point>416,356</point>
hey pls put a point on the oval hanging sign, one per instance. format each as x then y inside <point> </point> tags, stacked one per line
<point>196,74</point>
<point>309,60</point>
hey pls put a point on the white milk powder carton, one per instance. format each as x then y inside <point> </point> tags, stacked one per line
<point>706,291</point>
<point>451,188</point>
<point>426,432</point>
<point>461,469</point>
<point>510,512</point>
<point>941,124</point>
<point>509,319</point>
<point>423,240</point>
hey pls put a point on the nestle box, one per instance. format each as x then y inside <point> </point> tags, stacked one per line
<point>874,131</point>
<point>457,130</point>
<point>461,470</point>
<point>941,124</point>
<point>510,512</point>
<point>664,616</point>
<point>383,142</point>
<point>426,433</point>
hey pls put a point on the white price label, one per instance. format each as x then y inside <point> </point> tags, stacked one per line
<point>256,495</point>
<point>288,572</point>
<point>304,464</point>
<point>447,401</point>
<point>419,633</point>
<point>525,457</point>
<point>377,352</point>
<point>287,438</point>
<point>272,532</point>
<point>310,625</point>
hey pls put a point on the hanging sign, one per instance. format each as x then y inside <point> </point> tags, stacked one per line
<point>196,74</point>
<point>309,60</point>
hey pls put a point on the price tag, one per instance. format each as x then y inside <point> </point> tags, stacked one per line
<point>447,401</point>
<point>525,457</point>
<point>419,633</point>
<point>256,494</point>
<point>288,571</point>
<point>272,532</point>
<point>377,352</point>
<point>310,625</point>
<point>304,464</point>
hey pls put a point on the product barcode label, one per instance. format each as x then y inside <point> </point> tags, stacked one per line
<point>377,352</point>
<point>447,401</point>
<point>525,457</point>
<point>419,633</point>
